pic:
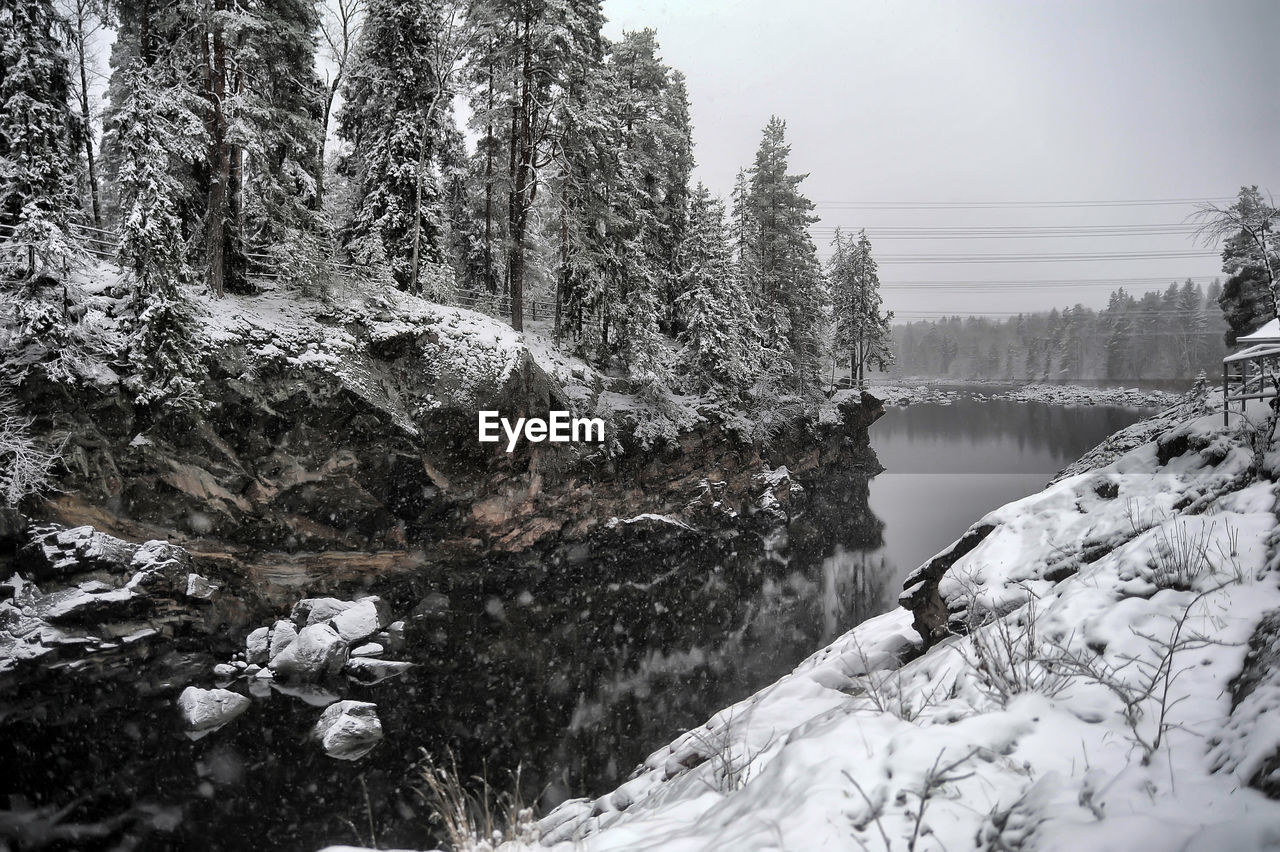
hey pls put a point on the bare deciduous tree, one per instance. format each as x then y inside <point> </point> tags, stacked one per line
<point>25,468</point>
<point>340,30</point>
<point>1250,230</point>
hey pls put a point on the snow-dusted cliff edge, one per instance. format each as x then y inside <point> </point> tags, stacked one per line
<point>350,424</point>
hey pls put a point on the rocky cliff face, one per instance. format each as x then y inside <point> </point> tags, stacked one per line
<point>339,443</point>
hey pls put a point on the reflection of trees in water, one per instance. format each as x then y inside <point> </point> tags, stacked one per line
<point>742,619</point>
<point>854,586</point>
<point>1064,432</point>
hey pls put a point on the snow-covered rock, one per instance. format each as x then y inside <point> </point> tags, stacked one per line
<point>78,606</point>
<point>256,646</point>
<point>209,709</point>
<point>1090,395</point>
<point>283,632</point>
<point>944,392</point>
<point>348,730</point>
<point>199,587</point>
<point>310,611</point>
<point>361,619</point>
<point>54,551</point>
<point>316,652</point>
<point>161,566</point>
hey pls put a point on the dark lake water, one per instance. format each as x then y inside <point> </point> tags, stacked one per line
<point>575,664</point>
<point>947,465</point>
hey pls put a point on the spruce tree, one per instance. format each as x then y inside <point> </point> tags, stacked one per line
<point>1119,346</point>
<point>861,326</point>
<point>282,105</point>
<point>393,116</point>
<point>787,283</point>
<point>150,130</point>
<point>39,134</point>
<point>647,192</point>
<point>716,341</point>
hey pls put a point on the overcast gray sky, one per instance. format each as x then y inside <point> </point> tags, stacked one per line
<point>922,101</point>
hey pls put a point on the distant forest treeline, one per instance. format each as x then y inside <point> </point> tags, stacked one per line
<point>1160,335</point>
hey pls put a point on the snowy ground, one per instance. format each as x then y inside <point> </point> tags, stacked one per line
<point>1088,708</point>
<point>909,392</point>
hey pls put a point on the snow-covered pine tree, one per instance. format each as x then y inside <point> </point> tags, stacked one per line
<point>394,113</point>
<point>459,191</point>
<point>587,166</point>
<point>490,78</point>
<point>861,325</point>
<point>716,341</point>
<point>742,235</point>
<point>787,280</point>
<point>1119,322</point>
<point>39,136</point>
<point>280,107</point>
<point>676,132</point>
<point>150,127</point>
<point>192,50</point>
<point>645,183</point>
<point>533,50</point>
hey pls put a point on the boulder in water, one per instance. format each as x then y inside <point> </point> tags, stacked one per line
<point>255,646</point>
<point>318,651</point>
<point>348,730</point>
<point>282,636</point>
<point>310,611</point>
<point>205,710</point>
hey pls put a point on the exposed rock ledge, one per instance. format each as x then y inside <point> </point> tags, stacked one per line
<point>352,429</point>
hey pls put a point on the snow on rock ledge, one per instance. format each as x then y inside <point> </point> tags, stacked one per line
<point>1022,549</point>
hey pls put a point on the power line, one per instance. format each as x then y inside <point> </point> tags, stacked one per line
<point>1005,233</point>
<point>1133,314</point>
<point>989,205</point>
<point>1080,257</point>
<point>929,229</point>
<point>1132,280</point>
<point>1132,311</point>
<point>1010,286</point>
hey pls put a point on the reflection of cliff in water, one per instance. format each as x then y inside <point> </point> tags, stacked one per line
<point>721,621</point>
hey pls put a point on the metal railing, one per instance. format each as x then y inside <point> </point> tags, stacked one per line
<point>1252,373</point>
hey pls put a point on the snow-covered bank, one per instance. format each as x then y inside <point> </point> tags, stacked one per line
<point>1074,687</point>
<point>1086,395</point>
<point>940,393</point>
